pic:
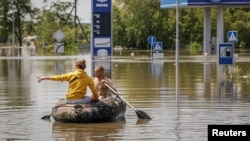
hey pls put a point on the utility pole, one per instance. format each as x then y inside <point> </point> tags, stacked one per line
<point>13,28</point>
<point>177,53</point>
<point>75,21</point>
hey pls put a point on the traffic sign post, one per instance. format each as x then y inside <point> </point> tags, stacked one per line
<point>58,35</point>
<point>151,40</point>
<point>158,46</point>
<point>59,46</point>
<point>158,50</point>
<point>232,36</point>
<point>226,53</point>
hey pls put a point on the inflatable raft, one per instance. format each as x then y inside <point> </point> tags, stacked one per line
<point>109,109</point>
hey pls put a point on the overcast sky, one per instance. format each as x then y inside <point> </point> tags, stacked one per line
<point>83,8</point>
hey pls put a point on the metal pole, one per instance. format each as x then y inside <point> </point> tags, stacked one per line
<point>220,39</point>
<point>151,49</point>
<point>75,20</point>
<point>13,28</point>
<point>177,53</point>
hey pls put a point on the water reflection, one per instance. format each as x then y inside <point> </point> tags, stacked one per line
<point>227,91</point>
<point>59,67</point>
<point>91,132</point>
<point>207,79</point>
<point>148,86</point>
<point>15,84</point>
<point>156,66</point>
<point>142,121</point>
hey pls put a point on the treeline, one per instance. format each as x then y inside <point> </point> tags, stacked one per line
<point>133,22</point>
<point>19,18</point>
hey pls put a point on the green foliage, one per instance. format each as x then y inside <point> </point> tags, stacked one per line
<point>190,25</point>
<point>241,18</point>
<point>195,48</point>
<point>43,23</point>
<point>135,20</point>
<point>14,11</point>
<point>132,25</point>
<point>56,18</point>
<point>194,45</point>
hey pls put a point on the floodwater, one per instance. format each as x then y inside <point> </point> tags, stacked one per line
<point>148,85</point>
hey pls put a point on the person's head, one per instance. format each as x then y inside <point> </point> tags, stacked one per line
<point>80,64</point>
<point>99,71</point>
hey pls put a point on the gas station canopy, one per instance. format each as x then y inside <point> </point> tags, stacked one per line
<point>203,3</point>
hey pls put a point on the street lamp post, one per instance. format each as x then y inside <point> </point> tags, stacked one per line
<point>177,53</point>
<point>13,28</point>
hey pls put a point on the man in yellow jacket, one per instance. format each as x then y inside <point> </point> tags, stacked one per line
<point>78,83</point>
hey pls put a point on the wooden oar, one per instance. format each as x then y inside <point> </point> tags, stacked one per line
<point>47,117</point>
<point>140,114</point>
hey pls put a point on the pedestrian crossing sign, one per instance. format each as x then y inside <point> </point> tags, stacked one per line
<point>232,36</point>
<point>158,46</point>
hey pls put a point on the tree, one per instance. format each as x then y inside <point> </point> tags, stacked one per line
<point>241,19</point>
<point>4,22</point>
<point>50,21</point>
<point>134,21</point>
<point>21,9</point>
<point>58,17</point>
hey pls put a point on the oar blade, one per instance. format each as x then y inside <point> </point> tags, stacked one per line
<point>142,115</point>
<point>46,117</point>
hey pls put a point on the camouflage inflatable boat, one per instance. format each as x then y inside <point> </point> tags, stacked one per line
<point>109,109</point>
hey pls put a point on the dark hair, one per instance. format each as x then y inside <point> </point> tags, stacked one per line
<point>81,64</point>
<point>100,68</point>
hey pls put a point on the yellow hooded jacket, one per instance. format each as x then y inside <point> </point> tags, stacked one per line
<point>78,82</point>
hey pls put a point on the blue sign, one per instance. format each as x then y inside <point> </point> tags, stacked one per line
<point>232,36</point>
<point>158,46</point>
<point>226,52</point>
<point>151,39</point>
<point>101,28</point>
<point>102,5</point>
<point>215,0</point>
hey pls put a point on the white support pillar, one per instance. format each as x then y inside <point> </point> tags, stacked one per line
<point>207,50</point>
<point>207,31</point>
<point>220,39</point>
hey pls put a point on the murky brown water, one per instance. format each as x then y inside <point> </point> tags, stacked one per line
<point>147,85</point>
